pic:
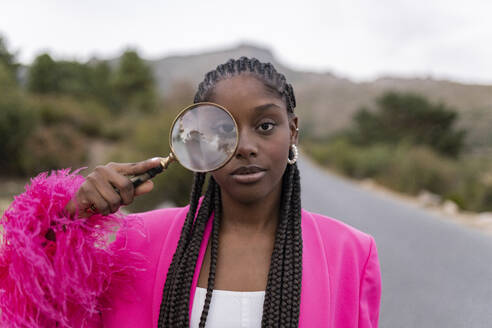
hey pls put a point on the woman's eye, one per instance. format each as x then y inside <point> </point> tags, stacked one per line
<point>266,127</point>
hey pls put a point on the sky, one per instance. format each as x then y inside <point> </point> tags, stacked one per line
<point>357,39</point>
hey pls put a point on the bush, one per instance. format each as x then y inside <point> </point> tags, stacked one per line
<point>409,145</point>
<point>85,116</point>
<point>352,160</point>
<point>474,187</point>
<point>50,148</point>
<point>408,117</point>
<point>17,121</point>
<point>410,169</point>
<point>415,168</point>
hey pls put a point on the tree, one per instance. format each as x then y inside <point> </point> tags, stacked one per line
<point>408,117</point>
<point>134,83</point>
<point>100,83</point>
<point>74,78</point>
<point>43,75</point>
<point>7,59</point>
<point>17,122</point>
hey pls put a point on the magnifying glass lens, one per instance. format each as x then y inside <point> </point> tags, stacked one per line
<point>204,137</point>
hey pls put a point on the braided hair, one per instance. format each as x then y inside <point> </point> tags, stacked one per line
<point>283,290</point>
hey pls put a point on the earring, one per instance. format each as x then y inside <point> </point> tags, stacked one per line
<point>292,161</point>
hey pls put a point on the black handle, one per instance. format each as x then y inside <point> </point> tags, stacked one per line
<point>139,179</point>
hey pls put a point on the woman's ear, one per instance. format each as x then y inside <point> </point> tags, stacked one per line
<point>294,130</point>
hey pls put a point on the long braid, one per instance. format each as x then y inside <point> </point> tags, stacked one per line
<point>172,294</point>
<point>282,297</point>
<point>272,306</point>
<point>187,265</point>
<point>297,247</point>
<point>214,250</point>
<point>196,191</point>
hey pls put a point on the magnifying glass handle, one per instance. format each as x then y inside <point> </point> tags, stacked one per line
<point>139,179</point>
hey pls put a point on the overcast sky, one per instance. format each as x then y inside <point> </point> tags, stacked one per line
<point>358,39</point>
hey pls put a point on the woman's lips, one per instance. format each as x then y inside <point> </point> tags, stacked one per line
<point>248,174</point>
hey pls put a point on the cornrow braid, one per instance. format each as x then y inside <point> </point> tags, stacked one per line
<point>264,71</point>
<point>281,307</point>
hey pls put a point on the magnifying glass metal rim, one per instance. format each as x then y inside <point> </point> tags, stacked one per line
<point>180,115</point>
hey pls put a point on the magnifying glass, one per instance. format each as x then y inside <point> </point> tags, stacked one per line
<point>203,138</point>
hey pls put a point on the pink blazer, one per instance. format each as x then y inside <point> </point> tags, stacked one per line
<point>341,281</point>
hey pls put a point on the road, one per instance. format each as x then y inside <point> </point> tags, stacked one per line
<point>435,273</point>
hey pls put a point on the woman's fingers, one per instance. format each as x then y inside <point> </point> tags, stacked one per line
<point>102,206</point>
<point>144,188</point>
<point>124,185</point>
<point>71,207</point>
<point>109,186</point>
<point>107,192</point>
<point>119,185</point>
<point>135,168</point>
<point>87,200</point>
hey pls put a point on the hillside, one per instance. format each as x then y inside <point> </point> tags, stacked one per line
<point>326,102</point>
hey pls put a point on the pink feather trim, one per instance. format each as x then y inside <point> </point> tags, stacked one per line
<point>60,283</point>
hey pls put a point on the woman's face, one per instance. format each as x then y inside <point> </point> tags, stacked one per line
<point>265,135</point>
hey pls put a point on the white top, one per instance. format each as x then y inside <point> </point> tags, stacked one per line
<point>228,309</point>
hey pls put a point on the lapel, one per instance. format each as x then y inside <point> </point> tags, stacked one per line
<point>167,252</point>
<point>316,285</point>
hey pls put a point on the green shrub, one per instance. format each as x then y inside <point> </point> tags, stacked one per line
<point>414,168</point>
<point>409,117</point>
<point>17,121</point>
<point>85,116</point>
<point>354,161</point>
<point>410,169</point>
<point>372,161</point>
<point>54,147</point>
<point>339,155</point>
<point>474,185</point>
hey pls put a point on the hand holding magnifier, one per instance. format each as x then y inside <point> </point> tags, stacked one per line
<point>203,138</point>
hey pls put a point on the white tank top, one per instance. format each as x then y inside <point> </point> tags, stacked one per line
<point>229,309</point>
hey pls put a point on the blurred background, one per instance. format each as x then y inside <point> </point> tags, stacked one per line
<point>394,100</point>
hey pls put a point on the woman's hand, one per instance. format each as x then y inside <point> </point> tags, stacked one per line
<point>109,186</point>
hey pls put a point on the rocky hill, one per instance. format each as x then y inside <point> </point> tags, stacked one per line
<point>326,102</point>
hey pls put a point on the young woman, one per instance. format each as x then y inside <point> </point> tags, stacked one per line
<point>243,255</point>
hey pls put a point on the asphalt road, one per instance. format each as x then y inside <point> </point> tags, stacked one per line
<point>435,273</point>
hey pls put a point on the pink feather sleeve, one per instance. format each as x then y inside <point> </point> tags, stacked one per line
<point>60,283</point>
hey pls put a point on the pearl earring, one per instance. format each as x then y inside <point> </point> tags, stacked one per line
<point>292,161</point>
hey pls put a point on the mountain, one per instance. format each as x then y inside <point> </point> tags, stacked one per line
<point>326,103</point>
<point>192,68</point>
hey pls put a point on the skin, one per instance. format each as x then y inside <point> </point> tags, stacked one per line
<point>250,210</point>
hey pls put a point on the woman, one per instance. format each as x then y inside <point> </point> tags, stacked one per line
<point>245,254</point>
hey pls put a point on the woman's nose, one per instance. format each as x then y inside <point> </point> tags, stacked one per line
<point>246,147</point>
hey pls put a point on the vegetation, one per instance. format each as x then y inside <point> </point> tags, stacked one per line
<point>7,59</point>
<point>134,84</point>
<point>17,122</point>
<point>67,106</point>
<point>410,118</point>
<point>409,144</point>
